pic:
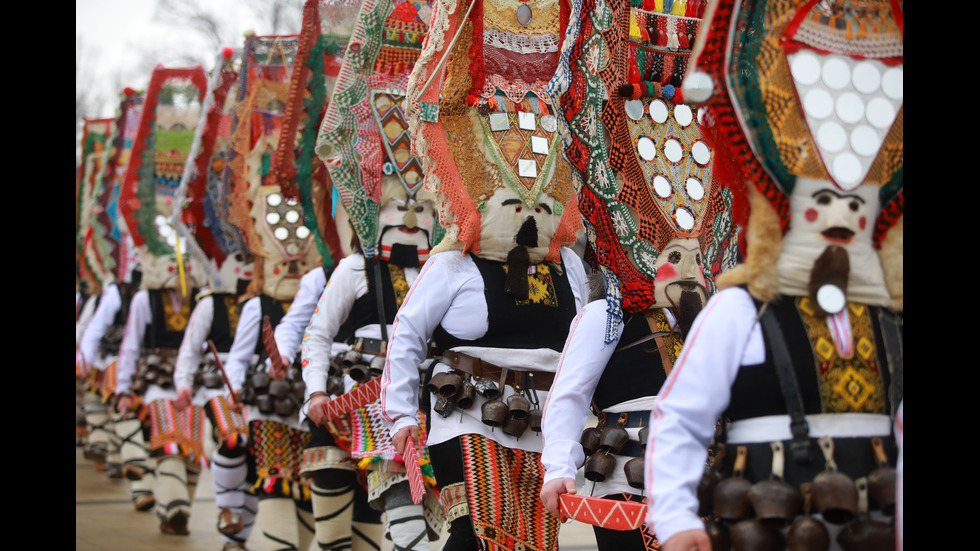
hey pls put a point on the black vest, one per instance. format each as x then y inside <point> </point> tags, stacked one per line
<point>221,333</point>
<point>632,371</point>
<point>510,325</point>
<point>273,308</point>
<point>157,334</point>
<point>365,309</point>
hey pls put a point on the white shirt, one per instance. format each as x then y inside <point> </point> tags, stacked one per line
<point>193,347</point>
<point>347,283</point>
<point>582,364</point>
<point>99,325</point>
<point>450,291</point>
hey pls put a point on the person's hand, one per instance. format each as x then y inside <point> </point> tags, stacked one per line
<point>235,402</point>
<point>552,491</point>
<point>688,540</point>
<point>183,399</point>
<point>402,436</point>
<point>316,413</point>
<point>124,404</point>
<point>279,371</point>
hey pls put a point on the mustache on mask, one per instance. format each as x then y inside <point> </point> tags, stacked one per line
<point>518,260</point>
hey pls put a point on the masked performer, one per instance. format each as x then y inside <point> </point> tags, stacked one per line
<point>364,143</point>
<point>284,251</point>
<point>501,295</point>
<point>660,229</point>
<point>159,312</point>
<point>800,356</point>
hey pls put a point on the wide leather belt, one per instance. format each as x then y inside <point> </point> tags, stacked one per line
<point>538,380</point>
<point>376,347</point>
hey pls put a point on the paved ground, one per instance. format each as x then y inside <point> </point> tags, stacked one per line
<point>105,520</point>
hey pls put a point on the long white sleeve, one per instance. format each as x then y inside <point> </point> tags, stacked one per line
<point>724,336</point>
<point>140,317</point>
<point>243,347</point>
<point>582,363</point>
<point>100,322</point>
<point>193,344</point>
<point>289,332</point>
<point>347,283</point>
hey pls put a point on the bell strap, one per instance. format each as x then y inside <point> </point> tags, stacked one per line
<point>894,349</point>
<point>379,294</point>
<point>799,428</point>
<point>658,337</point>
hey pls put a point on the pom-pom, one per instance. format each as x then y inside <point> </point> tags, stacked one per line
<point>668,91</point>
<point>128,92</point>
<point>227,52</point>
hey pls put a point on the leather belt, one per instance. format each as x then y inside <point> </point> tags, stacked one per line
<point>375,347</point>
<point>539,380</point>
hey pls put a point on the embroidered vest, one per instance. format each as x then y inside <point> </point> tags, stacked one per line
<point>394,287</point>
<point>168,320</point>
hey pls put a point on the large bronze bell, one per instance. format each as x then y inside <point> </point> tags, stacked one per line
<point>534,418</point>
<point>494,412</point>
<point>260,381</point>
<point>613,438</point>
<point>634,469</point>
<point>514,425</point>
<point>449,384</point>
<point>599,466</point>
<point>834,494</point>
<point>466,395</point>
<point>709,479</point>
<point>752,535</point>
<point>279,389</point>
<point>359,372</point>
<point>299,390</point>
<point>266,403</point>
<point>435,383</point>
<point>444,406</point>
<point>731,495</point>
<point>807,534</point>
<point>285,407</point>
<point>590,440</point>
<point>881,481</point>
<point>867,535</point>
<point>519,406</point>
<point>776,503</point>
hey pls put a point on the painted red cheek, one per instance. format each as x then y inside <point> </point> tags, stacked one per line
<point>862,222</point>
<point>666,271</point>
<point>811,215</point>
<point>275,271</point>
<point>170,269</point>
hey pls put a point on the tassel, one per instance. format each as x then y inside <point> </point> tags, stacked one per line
<point>542,107</point>
<point>492,101</point>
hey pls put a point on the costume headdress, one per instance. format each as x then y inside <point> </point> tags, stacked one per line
<point>170,114</point>
<point>364,139</point>
<point>273,225</point>
<point>482,122</point>
<point>644,174</point>
<point>91,269</point>
<point>807,91</point>
<point>301,174</point>
<point>200,216</point>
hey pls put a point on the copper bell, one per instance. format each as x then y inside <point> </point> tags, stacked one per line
<point>299,390</point>
<point>212,379</point>
<point>599,466</point>
<point>634,472</point>
<point>731,495</point>
<point>449,384</point>
<point>279,389</point>
<point>260,381</point>
<point>519,406</point>
<point>807,534</point>
<point>377,366</point>
<point>466,395</point>
<point>752,535</point>
<point>514,425</point>
<point>285,407</point>
<point>867,535</point>
<point>535,417</point>
<point>590,440</point>
<point>706,489</point>
<point>881,481</point>
<point>834,493</point>
<point>494,412</point>
<point>350,358</point>
<point>776,503</point>
<point>359,372</point>
<point>613,438</point>
<point>435,383</point>
<point>265,403</point>
<point>335,385</point>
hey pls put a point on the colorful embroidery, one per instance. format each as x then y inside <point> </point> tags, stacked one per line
<point>847,384</point>
<point>398,282</point>
<point>502,486</point>
<point>540,287</point>
<point>278,450</point>
<point>230,427</point>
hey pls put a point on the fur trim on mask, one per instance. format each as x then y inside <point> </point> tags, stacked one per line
<point>764,239</point>
<point>891,255</point>
<point>258,280</point>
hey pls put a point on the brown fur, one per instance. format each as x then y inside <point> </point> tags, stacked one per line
<point>892,263</point>
<point>764,240</point>
<point>258,280</point>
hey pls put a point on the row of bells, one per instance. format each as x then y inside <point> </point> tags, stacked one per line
<point>270,396</point>
<point>754,516</point>
<point>456,390</point>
